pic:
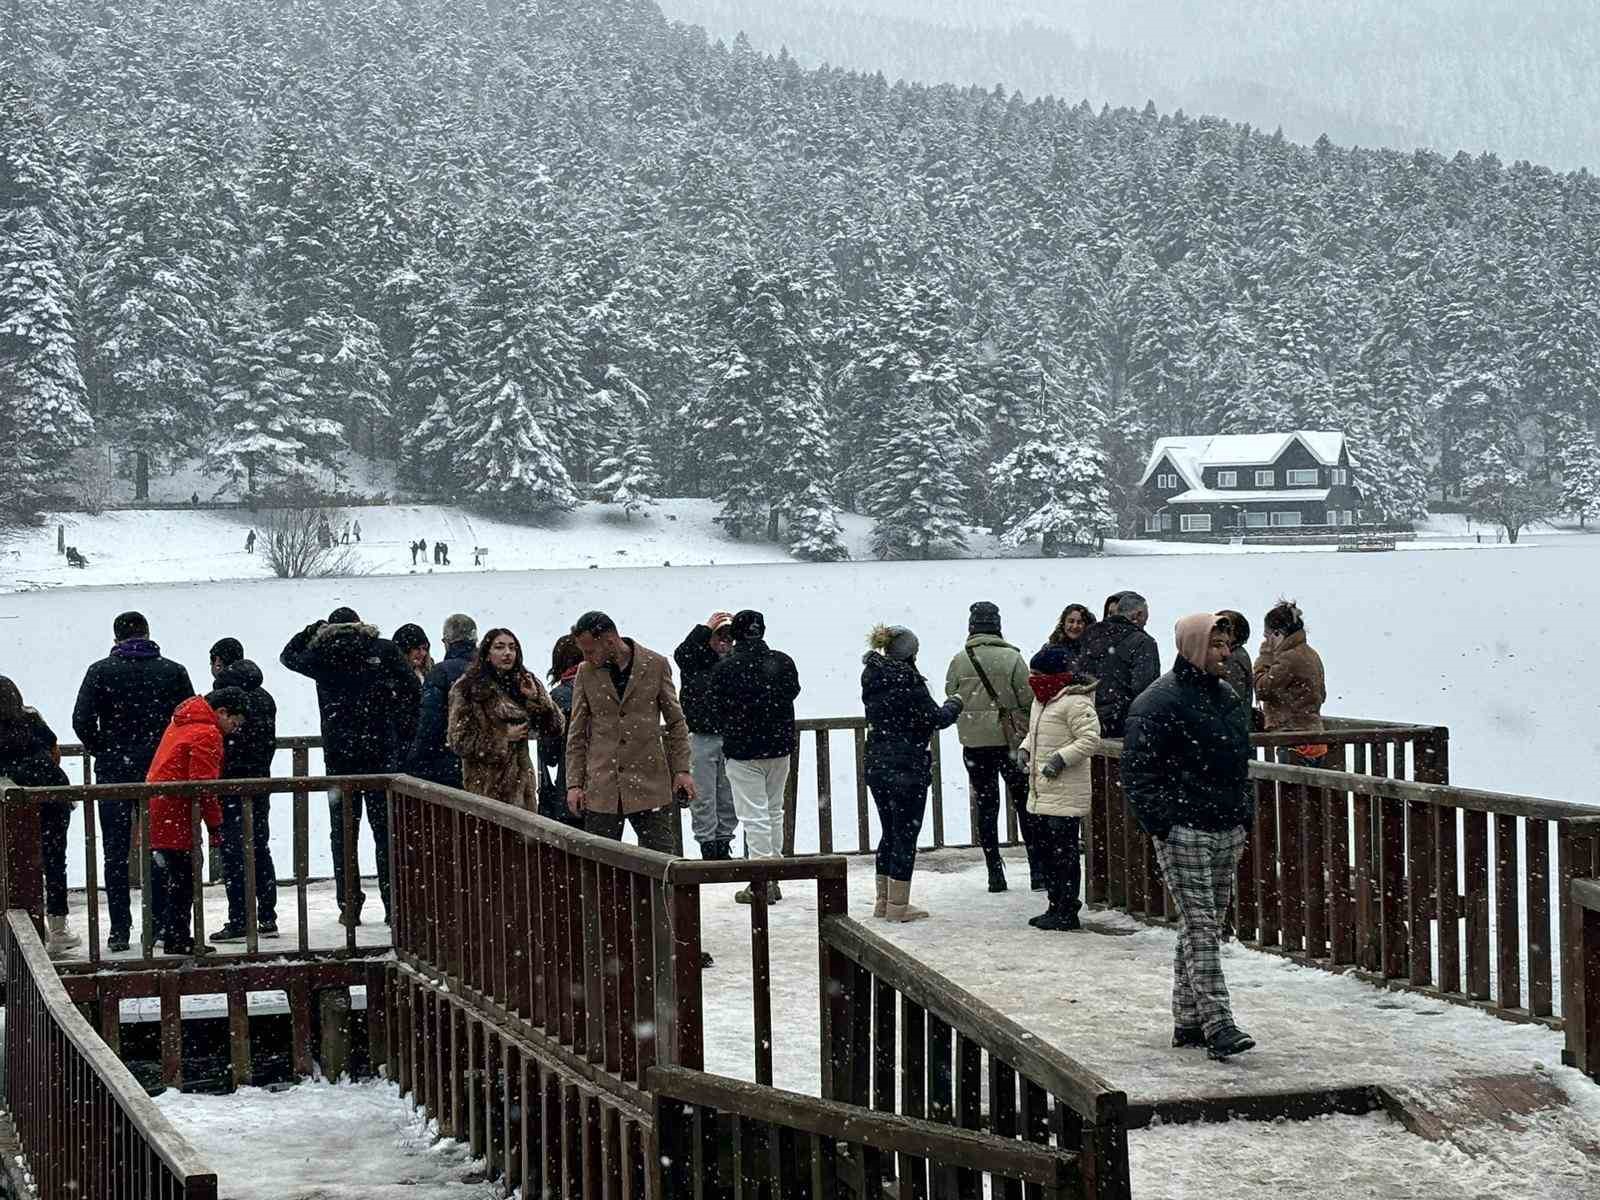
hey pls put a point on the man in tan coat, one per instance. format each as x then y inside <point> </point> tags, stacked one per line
<point>620,768</point>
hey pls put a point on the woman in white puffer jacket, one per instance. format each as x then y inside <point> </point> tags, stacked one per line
<point>1063,735</point>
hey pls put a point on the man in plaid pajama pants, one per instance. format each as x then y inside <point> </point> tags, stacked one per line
<point>1185,771</point>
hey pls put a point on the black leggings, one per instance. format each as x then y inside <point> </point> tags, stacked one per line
<point>986,767</point>
<point>900,809</point>
<point>53,822</point>
<point>1060,853</point>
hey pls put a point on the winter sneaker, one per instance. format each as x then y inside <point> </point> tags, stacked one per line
<point>1057,921</point>
<point>997,876</point>
<point>1186,1037</point>
<point>266,929</point>
<point>899,907</point>
<point>62,940</point>
<point>229,933</point>
<point>1228,1041</point>
<point>706,960</point>
<point>1038,922</point>
<point>116,943</point>
<point>746,894</point>
<point>189,949</point>
<point>882,902</point>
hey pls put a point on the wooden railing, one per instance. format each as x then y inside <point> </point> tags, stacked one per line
<point>898,1037</point>
<point>1412,883</point>
<point>85,1125</point>
<point>1583,995</point>
<point>542,972</point>
<point>23,883</point>
<point>722,1138</point>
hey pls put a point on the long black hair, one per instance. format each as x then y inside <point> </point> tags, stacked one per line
<point>481,675</point>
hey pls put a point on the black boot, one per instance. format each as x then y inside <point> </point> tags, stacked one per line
<point>997,870</point>
<point>1038,876</point>
<point>1228,1041</point>
<point>1187,1036</point>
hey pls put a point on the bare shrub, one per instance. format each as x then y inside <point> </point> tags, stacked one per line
<point>295,545</point>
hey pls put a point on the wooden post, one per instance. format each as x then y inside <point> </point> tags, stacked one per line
<point>791,794</point>
<point>824,793</point>
<point>24,881</point>
<point>333,1032</point>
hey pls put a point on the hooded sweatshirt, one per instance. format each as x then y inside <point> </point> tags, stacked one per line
<point>190,750</point>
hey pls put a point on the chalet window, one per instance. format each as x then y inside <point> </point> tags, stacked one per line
<point>1340,476</point>
<point>1166,482</point>
<point>1286,518</point>
<point>1266,479</point>
<point>1255,520</point>
<point>1227,479</point>
<point>1302,479</point>
<point>1195,523</point>
<point>1157,522</point>
<point>1347,517</point>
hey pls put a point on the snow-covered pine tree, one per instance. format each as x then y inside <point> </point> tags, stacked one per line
<point>627,474</point>
<point>1389,400</point>
<point>266,430</point>
<point>927,436</point>
<point>1578,458</point>
<point>507,461</point>
<point>1056,485</point>
<point>44,414</point>
<point>433,383</point>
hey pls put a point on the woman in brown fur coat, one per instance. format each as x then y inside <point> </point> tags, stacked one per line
<point>495,707</point>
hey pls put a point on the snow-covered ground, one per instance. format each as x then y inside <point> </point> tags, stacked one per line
<point>323,1141</point>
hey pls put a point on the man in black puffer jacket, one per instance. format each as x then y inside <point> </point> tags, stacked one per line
<point>247,753</point>
<point>752,693</point>
<point>368,696</point>
<point>713,816</point>
<point>429,758</point>
<point>1123,657</point>
<point>1186,774</point>
<point>124,706</point>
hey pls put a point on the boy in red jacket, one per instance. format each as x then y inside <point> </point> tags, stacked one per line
<point>190,750</point>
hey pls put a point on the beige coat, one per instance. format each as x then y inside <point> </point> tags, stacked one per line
<point>617,751</point>
<point>1068,726</point>
<point>492,764</point>
<point>1290,685</point>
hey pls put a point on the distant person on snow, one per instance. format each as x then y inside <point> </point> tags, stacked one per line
<point>753,690</point>
<point>714,818</point>
<point>368,696</point>
<point>194,499</point>
<point>565,659</point>
<point>356,529</point>
<point>413,554</point>
<point>620,768</point>
<point>991,678</point>
<point>344,537</point>
<point>1290,683</point>
<point>438,553</point>
<point>429,756</point>
<point>123,707</point>
<point>31,757</point>
<point>901,721</point>
<point>247,753</point>
<point>1063,736</point>
<point>444,554</point>
<point>250,542</point>
<point>1185,772</point>
<point>1123,657</point>
<point>191,751</point>
<point>495,708</point>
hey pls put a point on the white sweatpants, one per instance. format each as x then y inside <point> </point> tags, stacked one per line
<point>758,786</point>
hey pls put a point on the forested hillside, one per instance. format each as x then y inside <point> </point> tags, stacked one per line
<point>1520,78</point>
<point>538,249</point>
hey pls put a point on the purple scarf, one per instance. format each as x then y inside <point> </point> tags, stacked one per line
<point>136,648</point>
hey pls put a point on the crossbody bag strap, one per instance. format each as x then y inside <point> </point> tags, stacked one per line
<point>983,678</point>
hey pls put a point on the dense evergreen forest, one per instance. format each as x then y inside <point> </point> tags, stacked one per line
<point>535,251</point>
<point>1518,77</point>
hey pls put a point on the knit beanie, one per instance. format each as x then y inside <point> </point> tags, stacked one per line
<point>895,642</point>
<point>1194,637</point>
<point>227,651</point>
<point>1052,660</point>
<point>458,627</point>
<point>749,626</point>
<point>344,615</point>
<point>409,638</point>
<point>984,618</point>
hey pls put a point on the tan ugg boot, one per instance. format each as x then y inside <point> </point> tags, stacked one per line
<point>881,904</point>
<point>899,907</point>
<point>61,940</point>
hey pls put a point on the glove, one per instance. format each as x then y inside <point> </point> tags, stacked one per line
<point>1053,766</point>
<point>958,702</point>
<point>1019,758</point>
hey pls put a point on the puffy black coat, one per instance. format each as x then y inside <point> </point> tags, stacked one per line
<point>553,754</point>
<point>247,754</point>
<point>124,706</point>
<point>366,691</point>
<point>902,718</point>
<point>696,660</point>
<point>1125,659</point>
<point>1186,757</point>
<point>752,694</point>
<point>429,758</point>
<point>27,755</point>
